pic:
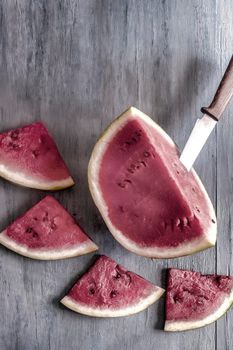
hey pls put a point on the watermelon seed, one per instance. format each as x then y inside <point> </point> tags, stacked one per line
<point>178,298</point>
<point>35,218</point>
<point>14,135</point>
<point>127,180</point>
<point>113,294</point>
<point>45,218</point>
<point>92,291</point>
<point>146,154</point>
<point>53,226</point>
<point>121,209</point>
<point>35,153</point>
<point>198,209</point>
<point>118,275</point>
<point>130,170</point>
<point>213,221</point>
<point>31,230</point>
<point>193,189</point>
<point>142,162</point>
<point>180,225</point>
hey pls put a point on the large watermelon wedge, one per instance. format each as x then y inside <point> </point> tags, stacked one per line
<point>29,157</point>
<point>194,300</point>
<point>47,232</point>
<point>148,200</point>
<point>109,290</point>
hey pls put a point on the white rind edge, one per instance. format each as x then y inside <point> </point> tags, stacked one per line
<point>99,312</point>
<point>49,254</point>
<point>174,326</point>
<point>93,170</point>
<point>28,181</point>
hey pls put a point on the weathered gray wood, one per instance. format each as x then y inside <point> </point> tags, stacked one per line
<point>76,65</point>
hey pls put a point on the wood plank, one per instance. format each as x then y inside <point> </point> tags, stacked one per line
<point>224,339</point>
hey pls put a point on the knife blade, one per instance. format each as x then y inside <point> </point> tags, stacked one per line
<point>198,137</point>
<point>205,125</point>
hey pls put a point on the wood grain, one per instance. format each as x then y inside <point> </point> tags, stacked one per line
<point>76,65</point>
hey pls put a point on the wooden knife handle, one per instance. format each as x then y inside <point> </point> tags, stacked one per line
<point>223,94</point>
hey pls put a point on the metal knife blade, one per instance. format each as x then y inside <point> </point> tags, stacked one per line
<point>200,133</point>
<point>203,127</point>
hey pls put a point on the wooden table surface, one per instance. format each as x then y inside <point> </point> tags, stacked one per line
<point>76,65</point>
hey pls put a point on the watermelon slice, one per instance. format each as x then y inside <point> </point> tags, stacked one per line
<point>194,300</point>
<point>29,157</point>
<point>150,203</point>
<point>47,232</point>
<point>109,290</point>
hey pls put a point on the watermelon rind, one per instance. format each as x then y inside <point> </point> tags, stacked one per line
<point>48,254</point>
<point>175,326</point>
<point>206,241</point>
<point>22,179</point>
<point>141,305</point>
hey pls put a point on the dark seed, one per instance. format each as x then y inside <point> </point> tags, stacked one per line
<point>35,153</point>
<point>120,184</point>
<point>129,181</point>
<point>14,135</point>
<point>146,154</point>
<point>118,275</point>
<point>113,294</point>
<point>53,225</point>
<point>121,209</point>
<point>92,291</point>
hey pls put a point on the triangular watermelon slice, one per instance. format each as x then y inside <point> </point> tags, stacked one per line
<point>150,203</point>
<point>109,290</point>
<point>194,300</point>
<point>47,232</point>
<point>30,157</point>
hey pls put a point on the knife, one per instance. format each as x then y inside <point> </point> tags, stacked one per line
<point>204,126</point>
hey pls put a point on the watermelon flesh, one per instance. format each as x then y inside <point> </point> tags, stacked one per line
<point>194,300</point>
<point>47,231</point>
<point>30,157</point>
<point>151,204</point>
<point>109,290</point>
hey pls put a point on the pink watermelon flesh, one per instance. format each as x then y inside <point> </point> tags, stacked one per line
<point>109,285</point>
<point>150,196</point>
<point>46,225</point>
<point>32,151</point>
<point>192,296</point>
